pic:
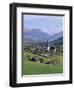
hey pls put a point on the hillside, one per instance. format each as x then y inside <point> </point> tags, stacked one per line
<point>57,42</point>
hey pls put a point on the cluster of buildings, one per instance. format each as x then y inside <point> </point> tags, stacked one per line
<point>39,47</point>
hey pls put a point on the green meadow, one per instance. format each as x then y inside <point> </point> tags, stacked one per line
<point>34,68</point>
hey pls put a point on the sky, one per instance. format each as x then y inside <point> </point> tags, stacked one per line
<point>48,24</point>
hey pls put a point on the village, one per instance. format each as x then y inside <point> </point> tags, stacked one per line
<point>44,49</point>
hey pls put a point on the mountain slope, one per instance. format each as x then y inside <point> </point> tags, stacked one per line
<point>36,34</point>
<point>56,36</point>
<point>57,42</point>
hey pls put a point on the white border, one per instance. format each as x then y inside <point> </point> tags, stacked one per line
<point>42,78</point>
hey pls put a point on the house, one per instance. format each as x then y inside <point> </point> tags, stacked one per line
<point>50,48</point>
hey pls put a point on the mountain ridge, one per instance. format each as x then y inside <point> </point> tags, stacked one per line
<point>37,34</point>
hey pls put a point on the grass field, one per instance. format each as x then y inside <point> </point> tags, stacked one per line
<point>34,68</point>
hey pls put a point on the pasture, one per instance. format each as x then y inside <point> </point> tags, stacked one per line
<point>34,68</point>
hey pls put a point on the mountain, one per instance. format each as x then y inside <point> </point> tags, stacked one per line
<point>56,36</point>
<point>36,34</point>
<point>57,42</point>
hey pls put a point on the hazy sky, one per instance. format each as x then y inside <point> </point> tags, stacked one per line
<point>48,24</point>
